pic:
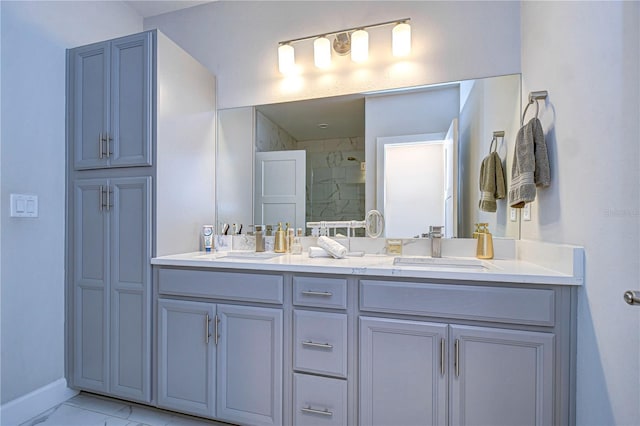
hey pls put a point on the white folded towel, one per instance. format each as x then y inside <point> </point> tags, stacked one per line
<point>332,247</point>
<point>318,252</point>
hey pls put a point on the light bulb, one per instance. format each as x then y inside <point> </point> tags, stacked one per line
<point>286,59</point>
<point>359,46</point>
<point>322,52</point>
<point>401,36</point>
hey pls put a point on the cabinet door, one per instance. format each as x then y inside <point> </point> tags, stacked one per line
<point>501,377</point>
<point>130,255</point>
<point>403,377</point>
<point>90,281</point>
<point>186,356</point>
<point>90,88</point>
<point>131,85</point>
<point>250,365</point>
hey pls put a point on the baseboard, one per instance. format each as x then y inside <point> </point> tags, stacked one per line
<point>30,405</point>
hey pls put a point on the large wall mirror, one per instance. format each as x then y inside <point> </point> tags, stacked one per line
<point>413,153</point>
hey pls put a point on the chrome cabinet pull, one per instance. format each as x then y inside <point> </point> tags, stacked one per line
<point>317,293</point>
<point>457,358</point>
<point>109,191</point>
<point>100,147</point>
<point>216,329</point>
<point>442,354</point>
<point>317,345</point>
<point>324,412</point>
<point>632,297</point>
<point>108,140</point>
<point>101,198</point>
<point>207,320</point>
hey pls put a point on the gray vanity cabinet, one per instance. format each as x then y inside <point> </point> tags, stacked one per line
<point>187,356</point>
<point>403,380</point>
<point>491,357</point>
<point>221,361</point>
<point>501,377</point>
<point>111,251</point>
<point>110,89</point>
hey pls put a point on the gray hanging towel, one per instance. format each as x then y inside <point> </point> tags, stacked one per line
<point>492,185</point>
<point>530,164</point>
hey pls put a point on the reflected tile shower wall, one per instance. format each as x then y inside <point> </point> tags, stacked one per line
<point>335,181</point>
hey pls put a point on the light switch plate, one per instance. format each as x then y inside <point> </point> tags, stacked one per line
<point>24,205</point>
<point>526,212</point>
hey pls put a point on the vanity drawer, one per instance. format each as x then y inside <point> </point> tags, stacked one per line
<point>319,400</point>
<point>320,342</point>
<point>321,292</point>
<point>486,303</point>
<point>221,285</point>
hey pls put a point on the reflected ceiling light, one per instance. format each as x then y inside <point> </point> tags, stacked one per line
<point>401,39</point>
<point>350,40</point>
<point>322,52</point>
<point>359,46</point>
<point>286,59</point>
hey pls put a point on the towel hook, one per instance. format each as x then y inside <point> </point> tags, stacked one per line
<point>496,134</point>
<point>534,97</point>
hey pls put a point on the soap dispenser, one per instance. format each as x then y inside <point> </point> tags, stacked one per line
<point>279,246</point>
<point>484,249</point>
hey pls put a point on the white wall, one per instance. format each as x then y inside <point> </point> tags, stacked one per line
<point>586,55</point>
<point>34,38</point>
<point>238,41</point>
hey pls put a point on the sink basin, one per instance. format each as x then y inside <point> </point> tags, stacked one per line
<point>442,262</point>
<point>250,255</point>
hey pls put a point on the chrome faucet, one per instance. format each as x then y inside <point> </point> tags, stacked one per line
<point>435,235</point>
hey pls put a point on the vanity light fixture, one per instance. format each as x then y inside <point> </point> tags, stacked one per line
<point>286,59</point>
<point>350,40</point>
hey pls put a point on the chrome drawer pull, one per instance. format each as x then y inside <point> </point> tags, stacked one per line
<point>317,293</point>
<point>317,345</point>
<point>324,412</point>
<point>632,297</point>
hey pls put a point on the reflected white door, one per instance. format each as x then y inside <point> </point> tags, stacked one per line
<point>280,181</point>
<point>450,147</point>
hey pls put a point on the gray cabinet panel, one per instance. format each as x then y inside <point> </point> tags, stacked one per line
<point>250,365</point>
<point>186,356</point>
<point>402,381</point>
<point>111,95</point>
<point>131,100</point>
<point>505,377</point>
<point>112,273</point>
<point>91,66</point>
<point>91,339</point>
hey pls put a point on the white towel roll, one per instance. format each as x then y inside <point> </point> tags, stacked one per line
<point>318,252</point>
<point>332,247</point>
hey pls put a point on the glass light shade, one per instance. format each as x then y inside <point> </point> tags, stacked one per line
<point>359,46</point>
<point>322,52</point>
<point>401,35</point>
<point>286,59</point>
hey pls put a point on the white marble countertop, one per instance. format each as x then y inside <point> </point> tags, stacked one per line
<point>449,268</point>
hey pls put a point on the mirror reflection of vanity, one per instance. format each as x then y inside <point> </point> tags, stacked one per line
<point>344,141</point>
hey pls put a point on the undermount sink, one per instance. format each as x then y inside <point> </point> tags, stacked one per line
<point>251,255</point>
<point>442,262</point>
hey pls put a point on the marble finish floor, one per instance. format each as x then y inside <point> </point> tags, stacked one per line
<point>91,410</point>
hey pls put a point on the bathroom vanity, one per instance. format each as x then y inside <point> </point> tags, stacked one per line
<point>298,340</point>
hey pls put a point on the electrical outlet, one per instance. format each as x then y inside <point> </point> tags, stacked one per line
<point>526,212</point>
<point>513,214</point>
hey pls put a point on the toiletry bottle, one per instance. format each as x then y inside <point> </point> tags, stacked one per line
<point>280,240</point>
<point>287,239</point>
<point>290,238</point>
<point>485,243</point>
<point>296,245</point>
<point>259,231</point>
<point>207,237</point>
